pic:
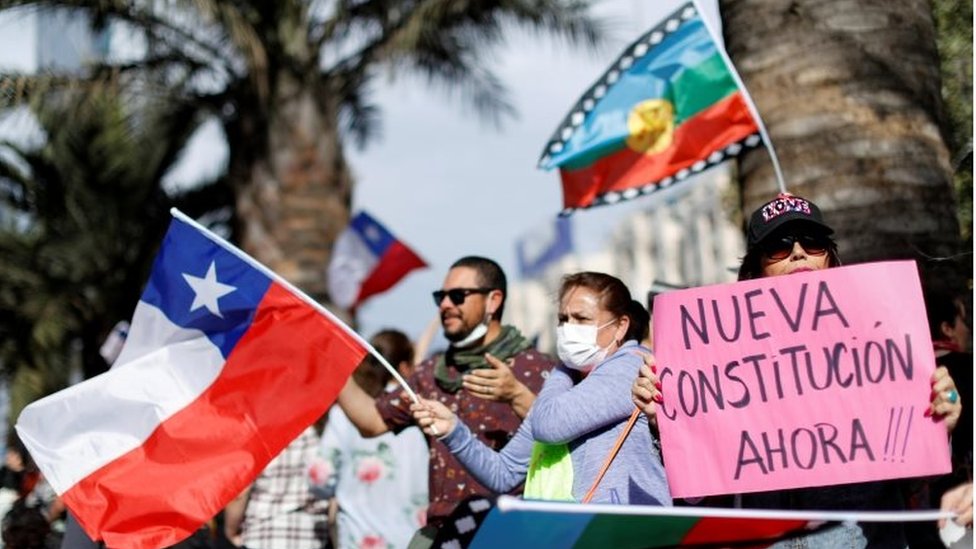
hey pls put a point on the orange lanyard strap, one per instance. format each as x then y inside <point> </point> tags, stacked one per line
<point>613,454</point>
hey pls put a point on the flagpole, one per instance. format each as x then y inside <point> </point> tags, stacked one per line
<point>507,503</point>
<point>300,294</point>
<point>770,149</point>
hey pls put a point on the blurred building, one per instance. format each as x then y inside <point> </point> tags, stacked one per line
<point>687,236</point>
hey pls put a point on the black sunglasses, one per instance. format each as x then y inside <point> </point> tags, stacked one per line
<point>779,247</point>
<point>457,295</point>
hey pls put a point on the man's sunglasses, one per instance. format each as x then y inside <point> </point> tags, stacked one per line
<point>779,247</point>
<point>457,295</point>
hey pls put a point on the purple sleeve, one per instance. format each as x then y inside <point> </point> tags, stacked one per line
<point>564,412</point>
<point>499,471</point>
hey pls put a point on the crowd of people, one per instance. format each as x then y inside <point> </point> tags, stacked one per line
<point>496,416</point>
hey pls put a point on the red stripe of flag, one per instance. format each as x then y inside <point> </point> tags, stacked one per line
<point>717,530</point>
<point>396,262</point>
<point>283,375</point>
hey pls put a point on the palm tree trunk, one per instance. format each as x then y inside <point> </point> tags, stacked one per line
<point>849,90</point>
<point>293,185</point>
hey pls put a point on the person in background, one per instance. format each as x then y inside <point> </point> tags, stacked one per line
<point>788,235</point>
<point>582,411</point>
<point>278,510</point>
<point>379,483</point>
<point>951,342</point>
<point>25,527</point>
<point>18,475</point>
<point>490,375</point>
<point>959,500</point>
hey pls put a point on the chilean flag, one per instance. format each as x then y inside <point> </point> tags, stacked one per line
<point>367,260</point>
<point>224,365</point>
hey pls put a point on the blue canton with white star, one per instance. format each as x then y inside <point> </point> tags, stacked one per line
<point>198,284</point>
<point>374,235</point>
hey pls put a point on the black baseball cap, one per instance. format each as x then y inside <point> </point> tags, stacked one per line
<point>779,211</point>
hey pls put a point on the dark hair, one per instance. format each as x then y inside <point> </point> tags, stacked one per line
<point>395,347</point>
<point>614,297</point>
<point>751,266</point>
<point>942,306</point>
<point>490,275</point>
<point>640,321</point>
<point>25,527</point>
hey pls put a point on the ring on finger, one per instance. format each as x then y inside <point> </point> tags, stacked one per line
<point>952,396</point>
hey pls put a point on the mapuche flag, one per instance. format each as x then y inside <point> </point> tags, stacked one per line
<point>224,365</point>
<point>517,524</point>
<point>668,107</point>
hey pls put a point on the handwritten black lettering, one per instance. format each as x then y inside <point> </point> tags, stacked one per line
<point>744,400</point>
<point>828,435</point>
<point>737,321</point>
<point>685,389</point>
<point>668,413</point>
<point>754,314</point>
<point>701,328</point>
<point>710,387</point>
<point>793,321</point>
<point>823,293</point>
<point>878,358</point>
<point>859,441</point>
<point>792,352</point>
<point>905,361</point>
<point>754,360</point>
<point>796,438</point>
<point>779,448</point>
<point>808,448</point>
<point>747,446</point>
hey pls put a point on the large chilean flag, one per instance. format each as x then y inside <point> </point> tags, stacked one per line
<point>224,365</point>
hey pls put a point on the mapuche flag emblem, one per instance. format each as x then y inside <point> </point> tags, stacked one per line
<point>668,107</point>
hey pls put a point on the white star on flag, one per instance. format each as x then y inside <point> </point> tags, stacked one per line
<point>207,290</point>
<point>372,233</point>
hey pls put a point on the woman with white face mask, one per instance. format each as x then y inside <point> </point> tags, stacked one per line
<point>585,404</point>
<point>565,443</point>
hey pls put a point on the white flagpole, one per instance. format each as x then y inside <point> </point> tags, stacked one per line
<point>301,295</point>
<point>770,149</point>
<point>512,503</point>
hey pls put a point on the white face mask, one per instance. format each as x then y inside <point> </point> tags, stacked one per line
<point>576,345</point>
<point>477,333</point>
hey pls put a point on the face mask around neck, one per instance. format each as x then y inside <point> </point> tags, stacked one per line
<point>576,345</point>
<point>477,333</point>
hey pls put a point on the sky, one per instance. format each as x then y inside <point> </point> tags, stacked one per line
<point>451,186</point>
<point>440,178</point>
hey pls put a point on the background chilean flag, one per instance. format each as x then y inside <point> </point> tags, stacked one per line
<point>366,260</point>
<point>224,365</point>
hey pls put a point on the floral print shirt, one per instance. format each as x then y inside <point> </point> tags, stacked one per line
<point>380,484</point>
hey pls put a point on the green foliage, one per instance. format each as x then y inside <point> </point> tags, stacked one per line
<point>83,216</point>
<point>954,23</point>
<point>88,210</point>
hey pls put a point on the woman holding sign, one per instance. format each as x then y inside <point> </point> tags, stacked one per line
<point>576,443</point>
<point>788,235</point>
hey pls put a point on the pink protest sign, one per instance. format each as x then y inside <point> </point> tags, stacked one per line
<point>810,379</point>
